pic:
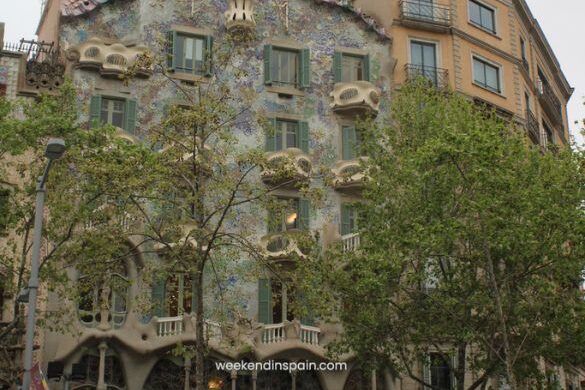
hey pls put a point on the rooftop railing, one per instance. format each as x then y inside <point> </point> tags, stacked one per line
<point>425,11</point>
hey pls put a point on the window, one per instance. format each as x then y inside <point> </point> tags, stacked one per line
<point>87,370</point>
<point>190,54</point>
<point>351,67</point>
<point>548,136</point>
<point>438,372</point>
<point>349,219</point>
<point>523,53</point>
<point>286,67</point>
<point>350,142</point>
<point>117,112</point>
<point>482,16</point>
<point>180,295</point>
<point>290,214</point>
<point>276,302</point>
<point>486,75</point>
<point>423,60</point>
<point>287,134</point>
<point>91,293</point>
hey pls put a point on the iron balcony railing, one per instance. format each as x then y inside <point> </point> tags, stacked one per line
<point>549,101</point>
<point>425,11</point>
<point>525,64</point>
<point>437,76</point>
<point>532,127</point>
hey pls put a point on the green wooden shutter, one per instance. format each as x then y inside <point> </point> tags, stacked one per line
<point>337,66</point>
<point>303,136</point>
<point>367,76</point>
<point>264,301</point>
<point>304,206</point>
<point>171,50</point>
<point>271,135</point>
<point>208,55</point>
<point>95,110</point>
<point>130,116</point>
<point>268,64</point>
<point>305,68</point>
<point>158,298</point>
<point>345,227</point>
<point>348,143</point>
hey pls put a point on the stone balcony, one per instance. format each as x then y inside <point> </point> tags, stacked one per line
<point>290,166</point>
<point>240,15</point>
<point>110,59</point>
<point>286,245</point>
<point>355,98</point>
<point>349,175</point>
<point>350,242</point>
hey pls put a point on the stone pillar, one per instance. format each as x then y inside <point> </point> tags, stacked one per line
<point>187,374</point>
<point>294,379</point>
<point>101,384</point>
<point>374,382</point>
<point>104,310</point>
<point>254,377</point>
<point>234,377</point>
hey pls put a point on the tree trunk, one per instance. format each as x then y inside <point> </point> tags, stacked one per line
<point>502,319</point>
<point>199,332</point>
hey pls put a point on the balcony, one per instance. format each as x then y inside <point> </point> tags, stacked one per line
<point>239,16</point>
<point>279,333</point>
<point>110,59</point>
<point>355,98</point>
<point>349,175</point>
<point>176,326</point>
<point>350,242</point>
<point>549,101</point>
<point>290,167</point>
<point>421,14</point>
<point>532,127</point>
<point>44,67</point>
<point>438,77</point>
<point>286,245</point>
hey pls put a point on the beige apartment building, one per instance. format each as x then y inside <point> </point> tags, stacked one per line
<point>315,66</point>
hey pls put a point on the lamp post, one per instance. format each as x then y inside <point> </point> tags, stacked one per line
<point>54,151</point>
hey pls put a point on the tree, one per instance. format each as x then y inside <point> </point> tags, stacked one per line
<point>472,247</point>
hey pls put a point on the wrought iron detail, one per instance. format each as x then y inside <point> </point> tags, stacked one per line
<point>45,68</point>
<point>437,76</point>
<point>424,11</point>
<point>532,127</point>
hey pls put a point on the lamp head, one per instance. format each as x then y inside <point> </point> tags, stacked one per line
<point>55,148</point>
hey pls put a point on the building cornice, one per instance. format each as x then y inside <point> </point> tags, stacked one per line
<point>532,25</point>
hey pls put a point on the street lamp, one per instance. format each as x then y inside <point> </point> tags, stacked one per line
<point>54,151</point>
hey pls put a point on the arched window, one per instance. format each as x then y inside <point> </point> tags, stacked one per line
<point>85,373</point>
<point>111,288</point>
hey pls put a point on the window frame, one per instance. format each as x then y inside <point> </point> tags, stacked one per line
<point>275,130</point>
<point>190,32</point>
<point>341,54</point>
<point>111,101</point>
<point>486,62</point>
<point>195,71</point>
<point>428,369</point>
<point>303,68</point>
<point>494,13</point>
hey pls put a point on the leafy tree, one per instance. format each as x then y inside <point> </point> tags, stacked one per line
<point>472,248</point>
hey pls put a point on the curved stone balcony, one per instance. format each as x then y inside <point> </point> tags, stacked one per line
<point>349,175</point>
<point>284,245</point>
<point>289,165</point>
<point>355,98</point>
<point>240,15</point>
<point>110,59</point>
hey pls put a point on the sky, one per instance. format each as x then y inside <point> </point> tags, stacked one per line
<point>560,20</point>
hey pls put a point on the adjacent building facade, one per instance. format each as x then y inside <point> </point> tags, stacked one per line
<point>315,66</point>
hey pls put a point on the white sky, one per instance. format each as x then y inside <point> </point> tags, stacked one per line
<point>561,21</point>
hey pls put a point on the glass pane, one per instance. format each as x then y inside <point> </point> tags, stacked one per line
<point>280,128</point>
<point>492,77</point>
<point>180,45</point>
<point>172,294</point>
<point>188,64</point>
<point>291,135</point>
<point>478,71</point>
<point>187,294</point>
<point>474,13</point>
<point>416,53</point>
<point>199,56</point>
<point>352,67</point>
<point>118,119</point>
<point>429,58</point>
<point>487,19</point>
